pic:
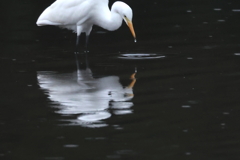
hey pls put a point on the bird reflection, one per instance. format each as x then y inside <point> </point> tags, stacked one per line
<point>91,99</point>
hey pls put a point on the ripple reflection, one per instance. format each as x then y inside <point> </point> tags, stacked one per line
<point>91,100</point>
<point>141,56</point>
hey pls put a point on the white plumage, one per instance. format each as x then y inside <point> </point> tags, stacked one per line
<point>81,15</point>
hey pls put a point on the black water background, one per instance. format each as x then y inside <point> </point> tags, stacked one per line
<point>186,105</point>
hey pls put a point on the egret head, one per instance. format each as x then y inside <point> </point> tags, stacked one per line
<point>126,13</point>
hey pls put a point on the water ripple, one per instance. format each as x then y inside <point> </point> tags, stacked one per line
<point>141,56</point>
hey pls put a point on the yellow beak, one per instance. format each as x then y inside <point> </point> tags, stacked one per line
<point>130,25</point>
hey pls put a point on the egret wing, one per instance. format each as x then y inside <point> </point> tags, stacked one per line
<point>68,12</point>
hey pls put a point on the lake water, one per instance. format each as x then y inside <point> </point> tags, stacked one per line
<point>172,95</point>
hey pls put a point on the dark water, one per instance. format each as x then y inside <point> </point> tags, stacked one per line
<point>182,103</point>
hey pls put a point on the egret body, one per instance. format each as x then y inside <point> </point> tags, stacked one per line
<point>81,15</point>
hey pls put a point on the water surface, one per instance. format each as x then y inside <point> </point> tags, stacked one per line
<point>172,95</point>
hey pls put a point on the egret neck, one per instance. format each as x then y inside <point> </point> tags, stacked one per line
<point>109,20</point>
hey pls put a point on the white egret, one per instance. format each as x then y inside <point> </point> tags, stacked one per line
<point>81,15</point>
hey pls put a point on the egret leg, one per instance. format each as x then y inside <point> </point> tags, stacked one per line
<point>77,40</point>
<point>77,44</point>
<point>79,31</point>
<point>87,39</point>
<point>81,61</point>
<point>77,61</point>
<point>86,44</point>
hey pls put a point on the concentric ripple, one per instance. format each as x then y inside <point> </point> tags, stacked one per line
<point>141,56</point>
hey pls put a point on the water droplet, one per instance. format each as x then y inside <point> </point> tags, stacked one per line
<point>192,102</point>
<point>186,106</point>
<point>71,146</point>
<point>237,54</point>
<point>221,20</point>
<point>226,113</point>
<point>236,10</point>
<point>217,9</point>
<point>188,153</point>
